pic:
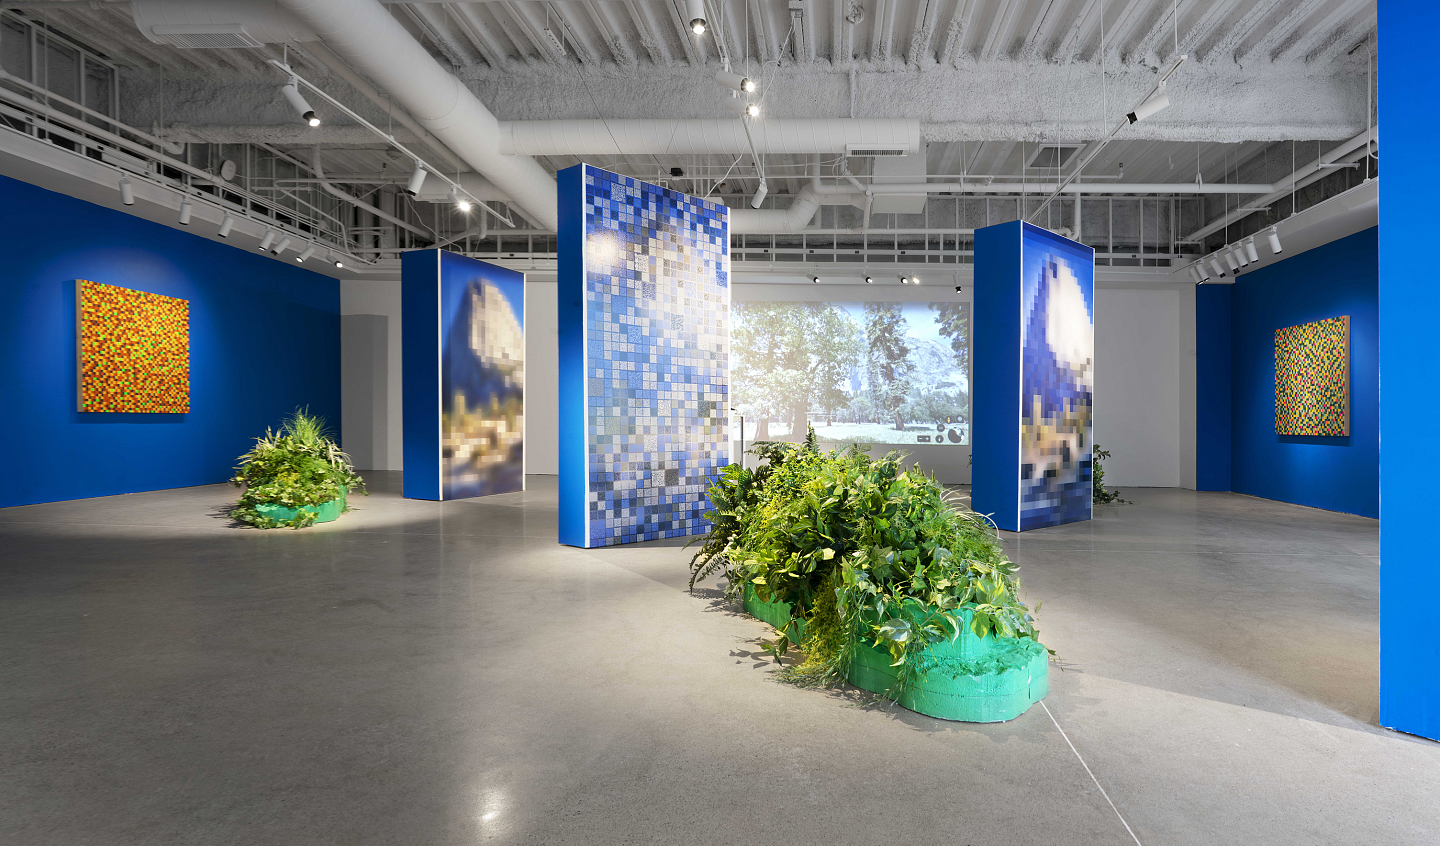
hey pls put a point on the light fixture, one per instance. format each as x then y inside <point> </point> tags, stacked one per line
<point>735,81</point>
<point>958,289</point>
<point>282,246</point>
<point>1230,260</point>
<point>742,108</point>
<point>1274,237</point>
<point>1240,256</point>
<point>417,179</point>
<point>914,280</point>
<point>309,251</point>
<point>1217,266</point>
<point>815,279</point>
<point>460,202</point>
<point>267,240</point>
<point>869,281</point>
<point>127,191</point>
<point>291,92</point>
<point>1157,102</point>
<point>903,280</point>
<point>339,263</point>
<point>226,224</point>
<point>695,9</point>
<point>759,194</point>
<point>1250,248</point>
<point>187,208</point>
<point>1195,272</point>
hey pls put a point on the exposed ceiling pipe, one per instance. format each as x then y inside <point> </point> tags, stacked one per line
<point>709,135</point>
<point>358,203</point>
<point>918,188</point>
<point>365,35</point>
<point>1356,147</point>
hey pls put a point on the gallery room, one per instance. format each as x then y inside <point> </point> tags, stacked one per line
<point>717,421</point>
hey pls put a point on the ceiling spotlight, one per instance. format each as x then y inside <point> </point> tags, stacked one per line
<point>958,289</point>
<point>339,263</point>
<point>695,9</point>
<point>282,246</point>
<point>417,179</point>
<point>740,107</point>
<point>1249,244</point>
<point>309,251</point>
<point>291,92</point>
<point>1274,237</point>
<point>903,280</point>
<point>1159,101</point>
<point>127,191</point>
<point>460,202</point>
<point>869,281</point>
<point>1240,256</point>
<point>187,208</point>
<point>267,240</point>
<point>914,280</point>
<point>759,194</point>
<point>815,279</point>
<point>1195,272</point>
<point>226,225</point>
<point>1230,260</point>
<point>1217,266</point>
<point>735,81</point>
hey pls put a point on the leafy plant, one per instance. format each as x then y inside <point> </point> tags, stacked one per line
<point>297,466</point>
<point>1101,496</point>
<point>865,551</point>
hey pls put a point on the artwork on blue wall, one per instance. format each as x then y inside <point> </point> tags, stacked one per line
<point>1034,366</point>
<point>644,300</point>
<point>464,340</point>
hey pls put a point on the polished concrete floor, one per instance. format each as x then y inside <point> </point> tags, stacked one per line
<point>423,673</point>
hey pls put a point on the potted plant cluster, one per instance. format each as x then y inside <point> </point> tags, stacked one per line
<point>880,580</point>
<point>295,477</point>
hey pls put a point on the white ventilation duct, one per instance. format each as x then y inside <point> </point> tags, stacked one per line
<point>708,135</point>
<point>217,23</point>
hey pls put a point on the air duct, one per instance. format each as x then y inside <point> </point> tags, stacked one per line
<point>217,23</point>
<point>366,36</point>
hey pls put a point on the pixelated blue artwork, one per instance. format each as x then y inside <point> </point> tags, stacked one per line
<point>1057,380</point>
<point>644,307</point>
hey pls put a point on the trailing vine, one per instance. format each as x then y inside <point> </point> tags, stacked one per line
<point>865,551</point>
<point>1100,495</point>
<point>297,466</point>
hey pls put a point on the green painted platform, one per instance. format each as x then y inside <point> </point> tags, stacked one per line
<point>972,679</point>
<point>324,512</point>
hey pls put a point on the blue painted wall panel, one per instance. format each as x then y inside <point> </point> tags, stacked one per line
<point>1334,473</point>
<point>571,320</point>
<point>1409,303</point>
<point>995,471</point>
<point>264,340</point>
<point>1212,387</point>
<point>420,372</point>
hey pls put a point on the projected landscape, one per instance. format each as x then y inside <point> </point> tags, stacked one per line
<point>878,373</point>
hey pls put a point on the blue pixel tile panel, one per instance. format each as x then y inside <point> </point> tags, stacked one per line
<point>644,358</point>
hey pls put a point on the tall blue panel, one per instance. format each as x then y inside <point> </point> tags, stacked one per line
<point>644,302</point>
<point>1212,387</point>
<point>1409,302</point>
<point>1034,376</point>
<point>264,340</point>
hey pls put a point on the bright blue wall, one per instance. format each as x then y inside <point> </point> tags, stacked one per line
<point>1337,474</point>
<point>1212,387</point>
<point>1409,303</point>
<point>571,385</point>
<point>264,339</point>
<point>995,471</point>
<point>420,372</point>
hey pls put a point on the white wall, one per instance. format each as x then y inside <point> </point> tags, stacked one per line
<point>374,436</point>
<point>1138,385</point>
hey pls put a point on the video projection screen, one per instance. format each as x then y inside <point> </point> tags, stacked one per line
<point>877,373</point>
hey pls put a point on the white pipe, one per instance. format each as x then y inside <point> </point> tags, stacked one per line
<point>1357,146</point>
<point>917,188</point>
<point>364,34</point>
<point>706,135</point>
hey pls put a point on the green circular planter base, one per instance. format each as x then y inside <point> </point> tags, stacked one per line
<point>324,512</point>
<point>971,679</point>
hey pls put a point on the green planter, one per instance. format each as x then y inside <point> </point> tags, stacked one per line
<point>324,512</point>
<point>972,679</point>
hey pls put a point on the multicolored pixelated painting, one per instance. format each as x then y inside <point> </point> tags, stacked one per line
<point>134,350</point>
<point>652,360</point>
<point>482,376</point>
<point>1057,380</point>
<point>1312,378</point>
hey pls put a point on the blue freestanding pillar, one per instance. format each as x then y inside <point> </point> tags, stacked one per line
<point>1034,368</point>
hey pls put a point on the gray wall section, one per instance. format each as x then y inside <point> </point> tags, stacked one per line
<point>364,389</point>
<point>542,378</point>
<point>1137,389</point>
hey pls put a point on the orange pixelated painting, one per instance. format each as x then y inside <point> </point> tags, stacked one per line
<point>134,350</point>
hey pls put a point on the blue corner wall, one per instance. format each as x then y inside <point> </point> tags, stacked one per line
<point>264,339</point>
<point>995,432</point>
<point>1409,302</point>
<point>1337,474</point>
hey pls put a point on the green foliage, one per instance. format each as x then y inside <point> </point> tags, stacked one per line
<point>296,466</point>
<point>1097,475</point>
<point>865,550</point>
<point>791,358</point>
<point>888,358</point>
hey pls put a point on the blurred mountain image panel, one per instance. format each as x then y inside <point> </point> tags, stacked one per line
<point>482,387</point>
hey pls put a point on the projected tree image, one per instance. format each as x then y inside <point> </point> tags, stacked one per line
<point>883,373</point>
